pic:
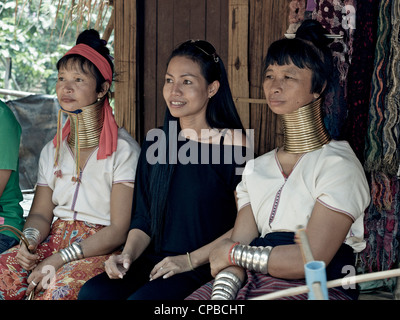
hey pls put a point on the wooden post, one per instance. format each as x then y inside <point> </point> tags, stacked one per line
<point>268,21</point>
<point>238,56</point>
<point>125,64</point>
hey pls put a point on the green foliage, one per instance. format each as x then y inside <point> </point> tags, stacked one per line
<point>36,34</point>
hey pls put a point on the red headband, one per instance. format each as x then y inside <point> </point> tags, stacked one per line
<point>96,58</point>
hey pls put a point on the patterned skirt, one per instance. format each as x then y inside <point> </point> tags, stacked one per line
<point>259,284</point>
<point>68,279</point>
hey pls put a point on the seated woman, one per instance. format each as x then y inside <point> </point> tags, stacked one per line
<point>184,192</point>
<point>310,181</point>
<point>11,213</point>
<point>85,180</point>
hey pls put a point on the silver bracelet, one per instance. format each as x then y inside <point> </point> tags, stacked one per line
<point>263,265</point>
<point>32,234</point>
<point>78,250</point>
<point>226,286</point>
<point>72,253</point>
<point>251,257</point>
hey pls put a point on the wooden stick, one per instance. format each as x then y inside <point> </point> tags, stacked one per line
<point>308,257</point>
<point>250,100</point>
<point>15,93</point>
<point>110,26</point>
<point>332,284</point>
<point>305,246</point>
<point>17,232</point>
<point>21,236</point>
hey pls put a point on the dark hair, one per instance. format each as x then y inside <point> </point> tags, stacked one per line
<point>221,113</point>
<point>309,49</point>
<point>91,38</point>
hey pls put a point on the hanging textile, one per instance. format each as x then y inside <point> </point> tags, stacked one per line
<point>391,127</point>
<point>330,14</point>
<point>360,75</point>
<point>297,14</point>
<point>382,226</point>
<point>379,90</point>
<point>382,217</point>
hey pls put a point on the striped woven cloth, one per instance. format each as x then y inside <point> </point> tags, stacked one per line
<point>330,14</point>
<point>382,143</point>
<point>259,284</point>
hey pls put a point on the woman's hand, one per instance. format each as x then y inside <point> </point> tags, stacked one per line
<point>25,258</point>
<point>219,256</point>
<point>44,273</point>
<point>170,266</point>
<point>117,265</point>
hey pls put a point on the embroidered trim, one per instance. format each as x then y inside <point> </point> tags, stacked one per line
<point>276,203</point>
<point>279,193</point>
<point>245,205</point>
<point>336,209</point>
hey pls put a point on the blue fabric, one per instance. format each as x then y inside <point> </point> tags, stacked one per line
<point>6,242</point>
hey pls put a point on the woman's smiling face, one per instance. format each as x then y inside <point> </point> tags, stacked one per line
<point>186,91</point>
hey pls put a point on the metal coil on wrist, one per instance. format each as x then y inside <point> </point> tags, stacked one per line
<point>72,253</point>
<point>251,257</point>
<point>226,286</point>
<point>32,234</point>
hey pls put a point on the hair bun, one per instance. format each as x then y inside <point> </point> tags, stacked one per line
<point>91,37</point>
<point>312,30</point>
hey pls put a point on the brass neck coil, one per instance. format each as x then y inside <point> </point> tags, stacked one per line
<point>304,129</point>
<point>89,123</point>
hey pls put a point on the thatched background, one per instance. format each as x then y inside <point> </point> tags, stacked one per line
<point>82,14</point>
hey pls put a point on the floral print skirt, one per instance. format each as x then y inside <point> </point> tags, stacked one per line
<point>68,279</point>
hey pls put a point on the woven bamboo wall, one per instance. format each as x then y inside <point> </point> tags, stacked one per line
<point>125,27</point>
<point>268,21</point>
<point>254,25</point>
<point>168,23</point>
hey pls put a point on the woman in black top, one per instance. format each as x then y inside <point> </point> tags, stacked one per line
<point>184,198</point>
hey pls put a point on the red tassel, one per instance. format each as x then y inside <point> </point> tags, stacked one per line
<point>76,179</point>
<point>58,174</point>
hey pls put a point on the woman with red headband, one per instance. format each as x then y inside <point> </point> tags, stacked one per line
<point>85,181</point>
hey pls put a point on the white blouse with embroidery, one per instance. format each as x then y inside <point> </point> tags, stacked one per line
<point>331,175</point>
<point>90,199</point>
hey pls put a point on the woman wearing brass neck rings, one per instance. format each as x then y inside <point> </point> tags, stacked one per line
<point>85,180</point>
<point>311,181</point>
